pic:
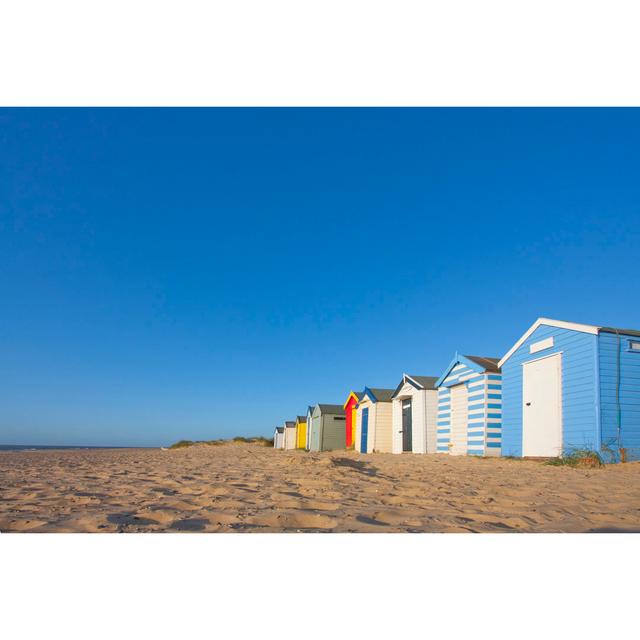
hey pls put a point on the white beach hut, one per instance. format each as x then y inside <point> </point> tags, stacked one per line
<point>373,421</point>
<point>278,438</point>
<point>289,434</point>
<point>414,415</point>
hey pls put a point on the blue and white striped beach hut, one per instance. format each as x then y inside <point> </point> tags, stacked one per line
<point>572,386</point>
<point>470,407</point>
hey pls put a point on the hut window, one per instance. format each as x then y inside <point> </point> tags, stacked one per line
<point>541,345</point>
<point>634,345</point>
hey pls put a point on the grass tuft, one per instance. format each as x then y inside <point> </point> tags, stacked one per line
<point>580,458</point>
<point>181,444</point>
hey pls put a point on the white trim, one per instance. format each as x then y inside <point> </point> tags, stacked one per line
<point>561,324</point>
<point>546,355</point>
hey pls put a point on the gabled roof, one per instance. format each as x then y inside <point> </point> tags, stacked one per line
<point>628,332</point>
<point>426,382</point>
<point>562,324</point>
<point>334,409</point>
<point>488,364</point>
<point>419,382</point>
<point>280,429</point>
<point>301,419</point>
<point>480,364</point>
<point>378,395</point>
<point>357,395</point>
<point>289,424</point>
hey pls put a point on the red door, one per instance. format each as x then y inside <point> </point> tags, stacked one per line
<point>350,415</point>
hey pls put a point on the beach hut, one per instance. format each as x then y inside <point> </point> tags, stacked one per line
<point>278,438</point>
<point>289,434</point>
<point>308,436</point>
<point>414,415</point>
<point>570,386</point>
<point>328,428</point>
<point>350,415</point>
<point>470,407</point>
<point>373,421</point>
<point>301,432</point>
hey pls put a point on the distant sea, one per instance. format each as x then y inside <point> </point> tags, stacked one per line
<point>38,447</point>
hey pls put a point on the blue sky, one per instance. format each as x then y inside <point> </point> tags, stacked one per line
<point>176,273</point>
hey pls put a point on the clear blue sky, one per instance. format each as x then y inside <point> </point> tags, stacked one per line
<point>203,273</point>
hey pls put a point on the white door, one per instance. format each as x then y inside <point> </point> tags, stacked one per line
<point>542,407</point>
<point>459,419</point>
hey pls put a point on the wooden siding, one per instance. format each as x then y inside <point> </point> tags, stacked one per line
<point>308,437</point>
<point>290,437</point>
<point>301,435</point>
<point>333,432</point>
<point>424,407</point>
<point>382,427</point>
<point>629,394</point>
<point>579,392</point>
<point>443,424</point>
<point>315,432</point>
<point>371,432</point>
<point>396,421</point>
<point>431,408</point>
<point>484,411</point>
<point>459,417</point>
<point>358,430</point>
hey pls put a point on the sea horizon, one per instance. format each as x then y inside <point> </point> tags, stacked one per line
<point>39,447</point>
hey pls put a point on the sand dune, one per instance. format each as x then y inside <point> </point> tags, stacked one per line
<point>246,487</point>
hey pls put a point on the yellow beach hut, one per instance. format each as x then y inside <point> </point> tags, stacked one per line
<point>301,432</point>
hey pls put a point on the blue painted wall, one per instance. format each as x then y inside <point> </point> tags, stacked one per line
<point>629,394</point>
<point>484,406</point>
<point>580,422</point>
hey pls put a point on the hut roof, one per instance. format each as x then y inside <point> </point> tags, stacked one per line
<point>336,409</point>
<point>381,395</point>
<point>428,382</point>
<point>489,364</point>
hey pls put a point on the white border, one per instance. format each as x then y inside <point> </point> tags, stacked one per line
<point>334,52</point>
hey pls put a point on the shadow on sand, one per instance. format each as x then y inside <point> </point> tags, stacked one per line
<point>360,466</point>
<point>612,530</point>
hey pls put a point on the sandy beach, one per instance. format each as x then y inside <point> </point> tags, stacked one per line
<point>250,488</point>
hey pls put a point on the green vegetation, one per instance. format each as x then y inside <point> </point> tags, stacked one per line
<point>181,444</point>
<point>582,458</point>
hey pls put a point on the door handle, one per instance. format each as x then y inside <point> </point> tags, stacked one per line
<point>528,404</point>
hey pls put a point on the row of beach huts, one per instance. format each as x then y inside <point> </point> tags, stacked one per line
<point>562,386</point>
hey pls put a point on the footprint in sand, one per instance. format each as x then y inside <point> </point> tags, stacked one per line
<point>190,524</point>
<point>368,520</point>
<point>129,519</point>
<point>295,521</point>
<point>20,524</point>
